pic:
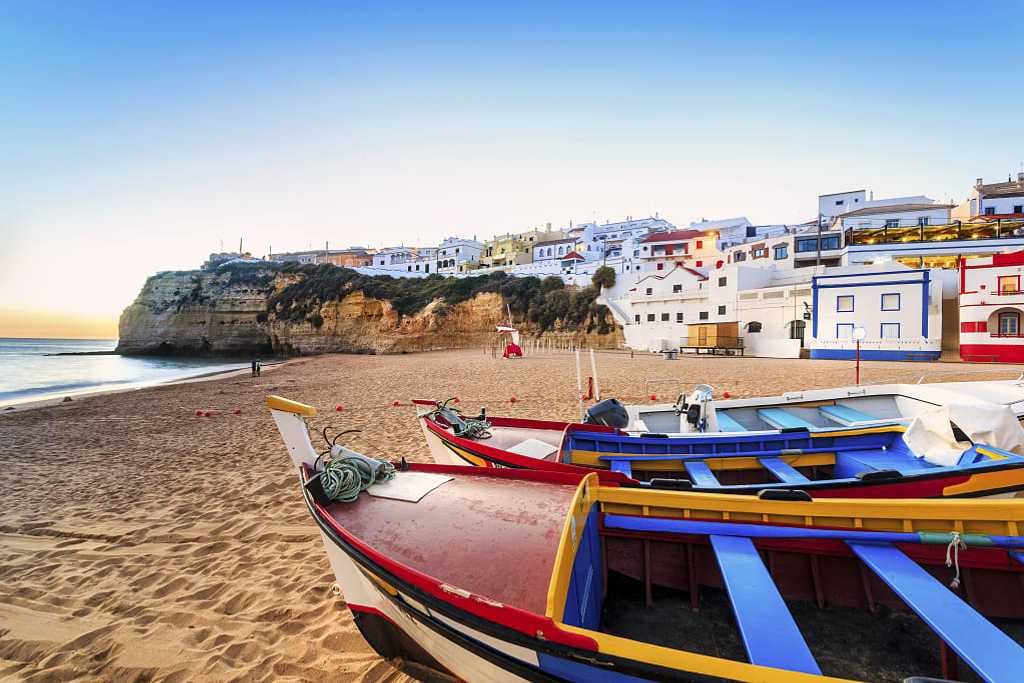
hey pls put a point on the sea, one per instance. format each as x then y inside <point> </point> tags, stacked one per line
<point>31,370</point>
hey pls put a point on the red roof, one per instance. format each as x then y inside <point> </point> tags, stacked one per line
<point>672,236</point>
<point>573,256</point>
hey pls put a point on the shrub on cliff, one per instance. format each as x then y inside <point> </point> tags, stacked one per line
<point>604,277</point>
<point>543,302</point>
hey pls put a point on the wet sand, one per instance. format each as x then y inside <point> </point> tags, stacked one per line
<point>140,542</point>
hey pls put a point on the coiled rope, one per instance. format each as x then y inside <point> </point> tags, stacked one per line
<point>344,478</point>
<point>953,556</point>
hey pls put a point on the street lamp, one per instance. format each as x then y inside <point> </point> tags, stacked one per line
<point>858,334</point>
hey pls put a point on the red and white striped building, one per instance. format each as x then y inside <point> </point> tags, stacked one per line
<point>991,308</point>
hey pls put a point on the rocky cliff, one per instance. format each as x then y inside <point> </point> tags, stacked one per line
<point>259,310</point>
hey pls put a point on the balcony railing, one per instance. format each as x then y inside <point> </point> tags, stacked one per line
<point>947,232</point>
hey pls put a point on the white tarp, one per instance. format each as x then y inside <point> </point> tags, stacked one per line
<point>930,435</point>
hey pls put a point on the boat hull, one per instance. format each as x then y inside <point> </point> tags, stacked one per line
<point>998,481</point>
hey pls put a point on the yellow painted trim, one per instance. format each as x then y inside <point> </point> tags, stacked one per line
<point>883,429</point>
<point>990,453</point>
<point>466,455</point>
<point>982,481</point>
<point>988,516</point>
<point>682,660</point>
<point>288,406</point>
<point>575,520</point>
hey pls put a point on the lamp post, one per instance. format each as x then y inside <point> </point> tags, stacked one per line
<point>858,334</point>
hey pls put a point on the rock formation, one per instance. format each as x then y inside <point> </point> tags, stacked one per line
<point>229,312</point>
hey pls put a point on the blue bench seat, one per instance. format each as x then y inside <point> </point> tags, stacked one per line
<point>782,471</point>
<point>727,424</point>
<point>845,415</point>
<point>700,473</point>
<point>986,649</point>
<point>770,635</point>
<point>780,418</point>
<point>885,460</point>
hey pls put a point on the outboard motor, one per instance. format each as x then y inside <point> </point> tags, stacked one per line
<point>697,408</point>
<point>609,413</point>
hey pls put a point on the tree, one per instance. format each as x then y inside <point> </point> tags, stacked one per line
<point>604,277</point>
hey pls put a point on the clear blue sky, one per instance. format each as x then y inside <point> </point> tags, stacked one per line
<point>135,136</point>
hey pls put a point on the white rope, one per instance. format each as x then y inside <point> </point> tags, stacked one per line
<point>953,557</point>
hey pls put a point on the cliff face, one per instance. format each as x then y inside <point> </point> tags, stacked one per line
<point>216,313</point>
<point>198,313</point>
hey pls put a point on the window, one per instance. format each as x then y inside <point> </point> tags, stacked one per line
<point>739,256</point>
<point>676,289</point>
<point>844,304</point>
<point>722,281</point>
<point>637,317</point>
<point>840,202</point>
<point>721,310</point>
<point>1009,324</point>
<point>890,302</point>
<point>892,222</point>
<point>781,251</point>
<point>760,252</point>
<point>753,327</point>
<point>661,266</point>
<point>636,252</point>
<point>650,317</point>
<point>679,317</point>
<point>1018,208</point>
<point>700,263</point>
<point>990,211</point>
<point>922,221</point>
<point>649,291</point>
<point>703,315</point>
<point>844,331</point>
<point>890,330</point>
<point>806,245</point>
<point>664,317</point>
<point>830,242</point>
<point>1009,284</point>
<point>700,244</point>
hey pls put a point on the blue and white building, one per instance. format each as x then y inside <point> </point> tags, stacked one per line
<point>900,310</point>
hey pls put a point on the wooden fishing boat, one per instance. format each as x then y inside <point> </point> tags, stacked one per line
<point>849,406</point>
<point>495,574</point>
<point>853,462</point>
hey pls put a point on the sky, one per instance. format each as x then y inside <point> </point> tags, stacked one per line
<point>137,137</point>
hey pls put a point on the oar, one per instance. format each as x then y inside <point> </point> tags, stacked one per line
<point>701,528</point>
<point>741,454</point>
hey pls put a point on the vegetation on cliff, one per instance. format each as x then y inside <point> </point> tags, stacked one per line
<point>544,302</point>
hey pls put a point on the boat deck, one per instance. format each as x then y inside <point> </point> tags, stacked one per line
<point>515,524</point>
<point>507,438</point>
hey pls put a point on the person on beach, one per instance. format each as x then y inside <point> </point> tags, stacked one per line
<point>259,367</point>
<point>254,367</point>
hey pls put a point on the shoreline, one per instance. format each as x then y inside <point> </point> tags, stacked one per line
<point>23,405</point>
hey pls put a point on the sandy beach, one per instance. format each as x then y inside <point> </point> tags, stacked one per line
<point>140,542</point>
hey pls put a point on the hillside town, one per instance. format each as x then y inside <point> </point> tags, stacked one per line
<point>899,278</point>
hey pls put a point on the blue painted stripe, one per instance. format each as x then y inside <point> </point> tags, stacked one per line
<point>623,466</point>
<point>874,354</point>
<point>986,649</point>
<point>577,671</point>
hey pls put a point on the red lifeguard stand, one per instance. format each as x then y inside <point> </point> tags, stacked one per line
<point>510,342</point>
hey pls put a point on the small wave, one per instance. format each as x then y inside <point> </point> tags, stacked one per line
<point>58,388</point>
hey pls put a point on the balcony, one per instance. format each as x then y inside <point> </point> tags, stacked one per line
<point>947,232</point>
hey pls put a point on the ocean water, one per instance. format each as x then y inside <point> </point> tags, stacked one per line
<point>29,371</point>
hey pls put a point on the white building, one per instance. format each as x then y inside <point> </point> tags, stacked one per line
<point>995,200</point>
<point>727,230</point>
<point>899,308</point>
<point>455,253</point>
<point>553,249</point>
<point>906,214</point>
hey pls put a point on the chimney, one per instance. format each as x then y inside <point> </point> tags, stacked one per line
<point>977,183</point>
<point>1020,178</point>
